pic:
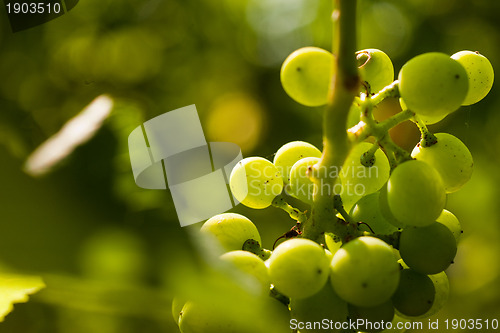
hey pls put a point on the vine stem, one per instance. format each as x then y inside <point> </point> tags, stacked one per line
<point>343,88</point>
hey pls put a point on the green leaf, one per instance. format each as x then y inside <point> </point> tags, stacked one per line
<point>15,289</point>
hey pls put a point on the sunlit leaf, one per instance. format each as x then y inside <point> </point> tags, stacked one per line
<point>15,289</point>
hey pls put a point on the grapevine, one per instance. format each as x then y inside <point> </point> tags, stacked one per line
<point>377,238</point>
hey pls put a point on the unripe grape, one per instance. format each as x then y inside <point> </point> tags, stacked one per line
<point>367,210</point>
<point>364,272</point>
<point>358,179</point>
<point>231,230</point>
<point>301,187</point>
<point>433,84</point>
<point>306,75</point>
<point>255,182</point>
<point>375,67</point>
<point>290,153</point>
<point>298,268</point>
<point>415,293</point>
<point>428,250</point>
<point>479,73</point>
<point>451,222</point>
<point>450,157</point>
<point>415,193</point>
<point>250,264</point>
<point>324,304</point>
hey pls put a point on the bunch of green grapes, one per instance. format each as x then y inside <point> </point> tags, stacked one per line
<point>387,240</point>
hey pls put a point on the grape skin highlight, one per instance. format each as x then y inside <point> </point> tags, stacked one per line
<point>415,193</point>
<point>298,268</point>
<point>290,153</point>
<point>450,157</point>
<point>479,72</point>
<point>306,75</point>
<point>364,272</point>
<point>255,182</point>
<point>433,85</point>
<point>231,230</point>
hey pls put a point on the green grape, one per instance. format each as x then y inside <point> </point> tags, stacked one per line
<point>479,73</point>
<point>415,293</point>
<point>428,120</point>
<point>415,193</point>
<point>358,179</point>
<point>332,244</point>
<point>433,84</point>
<point>385,210</point>
<point>450,157</point>
<point>442,292</point>
<point>354,115</point>
<point>255,182</point>
<point>177,305</point>
<point>324,304</point>
<point>250,264</point>
<point>306,75</point>
<point>375,317</point>
<point>428,250</point>
<point>298,268</point>
<point>290,153</point>
<point>375,68</point>
<point>367,210</point>
<point>449,220</point>
<point>231,230</point>
<point>301,187</point>
<point>364,272</point>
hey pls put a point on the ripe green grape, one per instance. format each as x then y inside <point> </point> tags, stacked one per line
<point>442,292</point>
<point>376,316</point>
<point>231,230</point>
<point>415,293</point>
<point>450,157</point>
<point>290,153</point>
<point>301,187</point>
<point>364,272</point>
<point>358,179</point>
<point>298,268</point>
<point>332,244</point>
<point>428,250</point>
<point>415,193</point>
<point>433,84</point>
<point>324,304</point>
<point>428,120</point>
<point>479,73</point>
<point>385,210</point>
<point>354,115</point>
<point>367,210</point>
<point>306,75</point>
<point>255,182</point>
<point>375,67</point>
<point>250,264</point>
<point>449,220</point>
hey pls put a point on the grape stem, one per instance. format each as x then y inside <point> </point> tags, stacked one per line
<point>427,139</point>
<point>343,88</point>
<point>294,213</point>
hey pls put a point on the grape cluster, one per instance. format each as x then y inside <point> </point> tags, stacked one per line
<point>388,265</point>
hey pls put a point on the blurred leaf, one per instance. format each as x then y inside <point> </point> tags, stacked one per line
<point>76,131</point>
<point>15,289</point>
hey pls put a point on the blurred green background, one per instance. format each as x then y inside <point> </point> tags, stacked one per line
<point>112,254</point>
